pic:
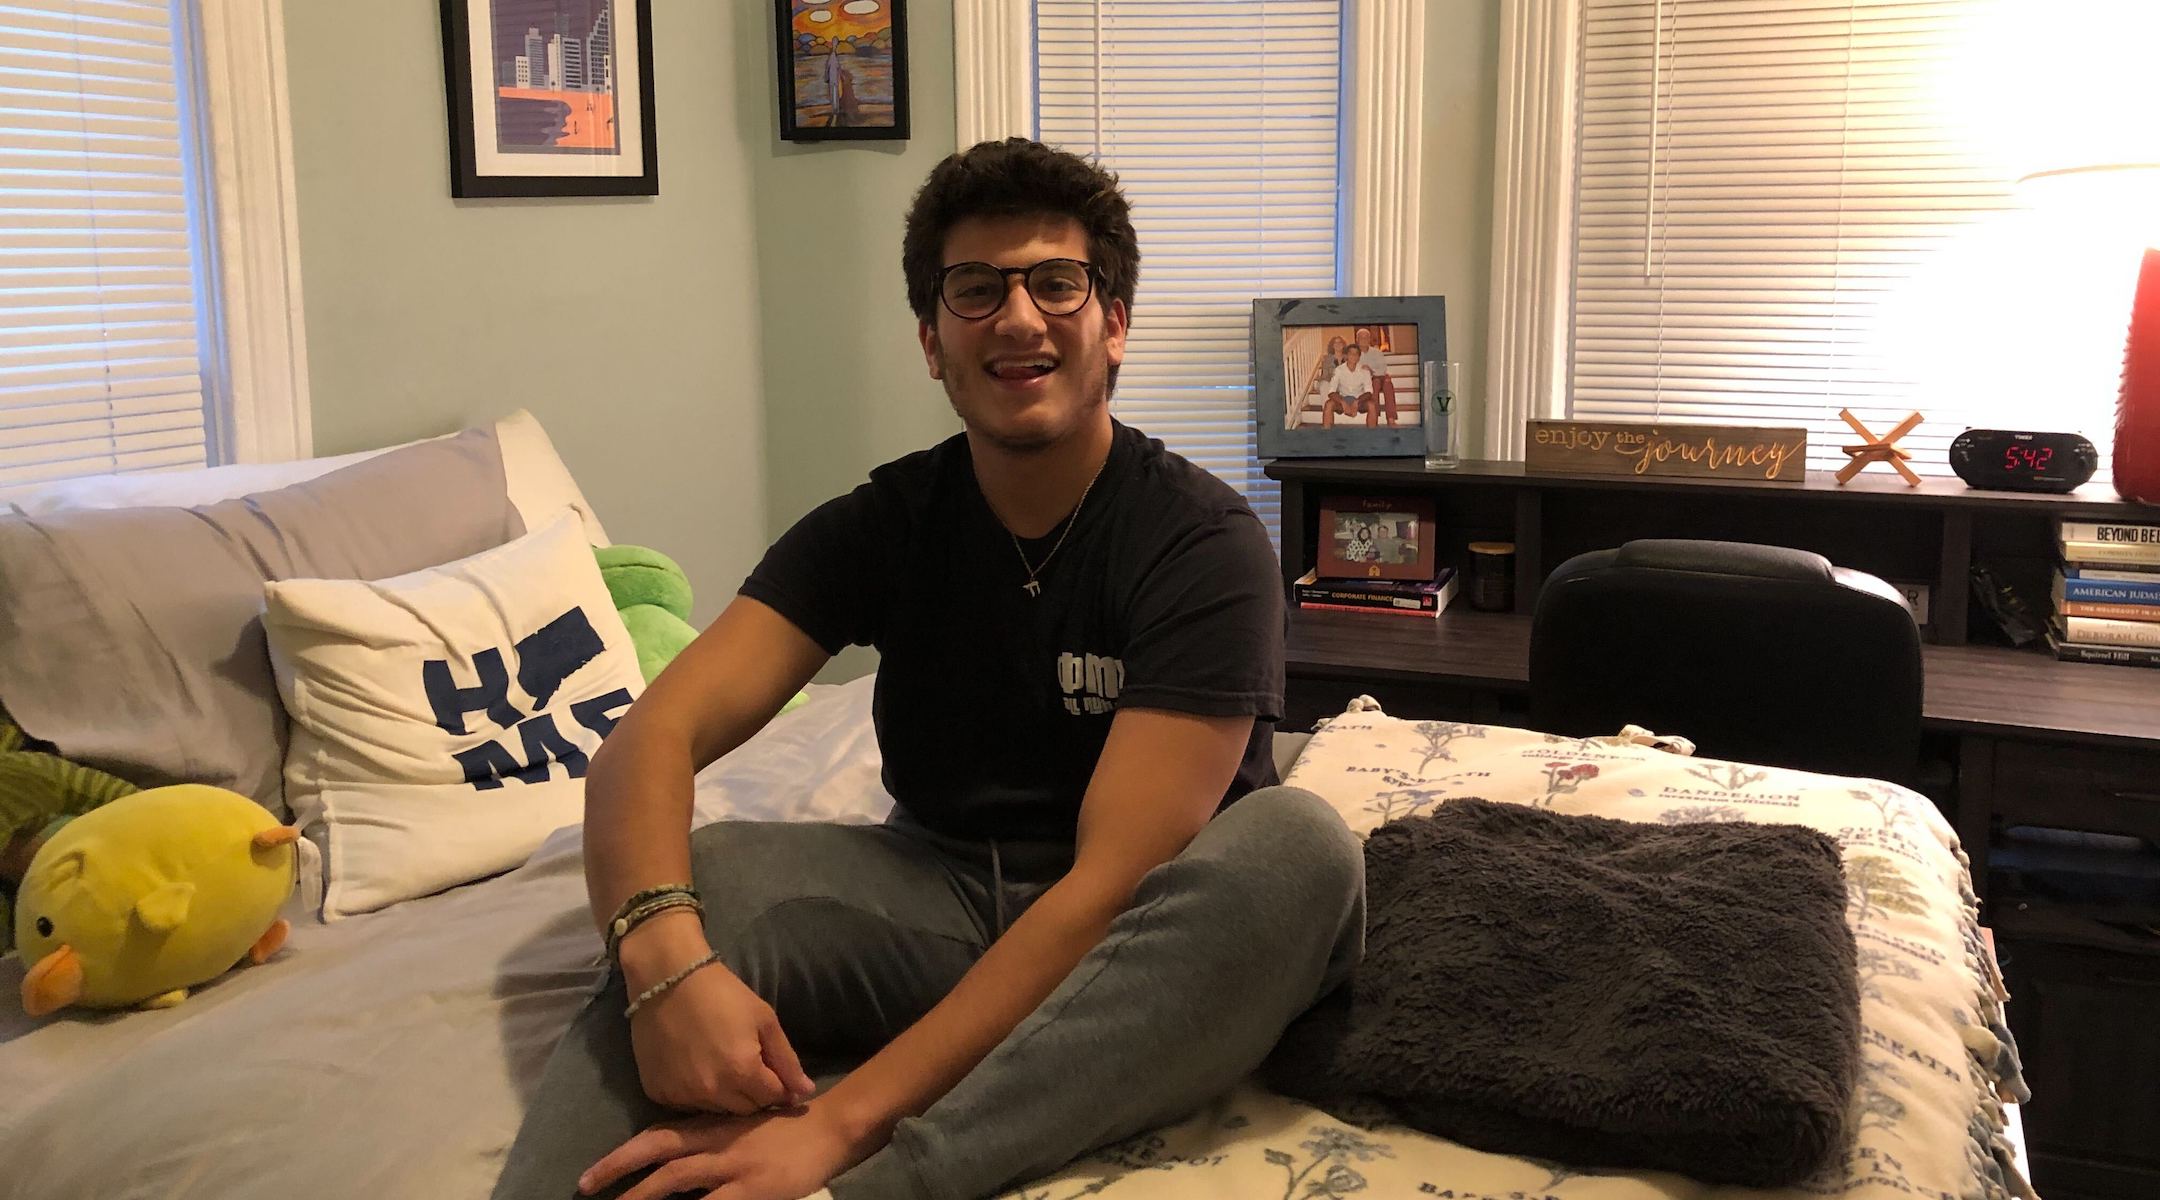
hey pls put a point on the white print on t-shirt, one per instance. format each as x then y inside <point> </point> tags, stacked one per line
<point>1098,676</point>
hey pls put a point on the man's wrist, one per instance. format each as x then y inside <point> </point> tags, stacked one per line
<point>662,945</point>
<point>865,1124</point>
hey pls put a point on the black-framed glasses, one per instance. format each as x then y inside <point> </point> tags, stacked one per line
<point>1060,287</point>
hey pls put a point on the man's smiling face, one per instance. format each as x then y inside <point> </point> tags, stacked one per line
<point>1020,378</point>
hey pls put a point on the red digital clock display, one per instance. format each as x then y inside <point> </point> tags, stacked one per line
<point>2026,458</point>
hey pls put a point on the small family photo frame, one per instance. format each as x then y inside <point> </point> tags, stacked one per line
<point>1339,376</point>
<point>843,69</point>
<point>550,97</point>
<point>1377,537</point>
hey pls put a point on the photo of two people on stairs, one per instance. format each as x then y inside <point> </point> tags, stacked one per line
<point>1350,371</point>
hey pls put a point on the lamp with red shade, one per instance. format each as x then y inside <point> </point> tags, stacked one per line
<point>2137,413</point>
<point>2131,187</point>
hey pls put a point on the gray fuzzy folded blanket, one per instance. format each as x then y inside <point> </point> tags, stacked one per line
<point>1600,993</point>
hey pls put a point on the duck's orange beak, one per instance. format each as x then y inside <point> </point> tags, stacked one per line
<point>54,983</point>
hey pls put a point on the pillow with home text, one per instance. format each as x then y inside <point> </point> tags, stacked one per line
<point>443,720</point>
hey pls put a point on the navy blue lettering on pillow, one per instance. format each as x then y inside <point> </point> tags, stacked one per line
<point>451,702</point>
<point>554,652</point>
<point>547,658</point>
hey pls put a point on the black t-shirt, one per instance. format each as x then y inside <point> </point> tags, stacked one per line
<point>991,705</point>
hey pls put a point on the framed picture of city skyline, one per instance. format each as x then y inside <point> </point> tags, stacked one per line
<point>550,97</point>
<point>843,69</point>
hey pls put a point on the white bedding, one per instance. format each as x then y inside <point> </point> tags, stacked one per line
<point>388,1055</point>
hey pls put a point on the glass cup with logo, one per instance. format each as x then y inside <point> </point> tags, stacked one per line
<point>1441,395</point>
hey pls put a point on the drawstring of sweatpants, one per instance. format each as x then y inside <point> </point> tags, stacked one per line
<point>997,891</point>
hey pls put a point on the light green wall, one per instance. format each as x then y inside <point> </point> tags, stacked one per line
<point>629,326</point>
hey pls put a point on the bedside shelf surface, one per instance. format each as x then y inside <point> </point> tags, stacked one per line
<point>1970,689</point>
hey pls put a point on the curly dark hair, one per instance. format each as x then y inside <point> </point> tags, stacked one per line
<point>1018,178</point>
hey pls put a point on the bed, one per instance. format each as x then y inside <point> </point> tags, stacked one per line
<point>390,1054</point>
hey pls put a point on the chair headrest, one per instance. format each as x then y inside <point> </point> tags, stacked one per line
<point>1741,562</point>
<point>1724,558</point>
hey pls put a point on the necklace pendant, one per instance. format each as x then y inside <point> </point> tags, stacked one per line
<point>1032,588</point>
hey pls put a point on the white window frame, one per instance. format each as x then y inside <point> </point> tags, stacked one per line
<point>256,373</point>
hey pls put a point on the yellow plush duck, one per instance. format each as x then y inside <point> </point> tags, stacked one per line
<point>138,901</point>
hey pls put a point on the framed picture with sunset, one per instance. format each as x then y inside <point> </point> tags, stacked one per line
<point>843,69</point>
<point>550,97</point>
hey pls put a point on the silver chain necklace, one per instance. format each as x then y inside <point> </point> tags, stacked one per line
<point>1033,586</point>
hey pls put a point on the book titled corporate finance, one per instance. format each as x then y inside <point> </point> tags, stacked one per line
<point>1392,597</point>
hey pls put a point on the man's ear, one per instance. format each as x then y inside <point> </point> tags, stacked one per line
<point>927,331</point>
<point>1114,332</point>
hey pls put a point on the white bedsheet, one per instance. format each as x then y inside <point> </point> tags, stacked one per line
<point>390,1055</point>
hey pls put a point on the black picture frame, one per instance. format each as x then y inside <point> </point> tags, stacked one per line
<point>792,127</point>
<point>471,178</point>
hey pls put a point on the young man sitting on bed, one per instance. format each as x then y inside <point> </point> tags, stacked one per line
<point>1090,912</point>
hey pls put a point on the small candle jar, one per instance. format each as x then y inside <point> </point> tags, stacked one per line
<point>1492,576</point>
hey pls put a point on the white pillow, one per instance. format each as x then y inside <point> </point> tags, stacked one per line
<point>443,720</point>
<point>538,483</point>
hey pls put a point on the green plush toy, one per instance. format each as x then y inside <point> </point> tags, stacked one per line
<point>652,593</point>
<point>39,792</point>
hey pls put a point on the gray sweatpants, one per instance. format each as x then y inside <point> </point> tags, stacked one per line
<point>852,932</point>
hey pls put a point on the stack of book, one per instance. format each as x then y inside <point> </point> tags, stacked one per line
<point>2107,594</point>
<point>1394,597</point>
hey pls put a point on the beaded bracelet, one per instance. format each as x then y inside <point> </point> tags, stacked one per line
<point>660,989</point>
<point>645,906</point>
<point>651,893</point>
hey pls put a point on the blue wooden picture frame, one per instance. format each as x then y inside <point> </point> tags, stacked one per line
<point>1298,335</point>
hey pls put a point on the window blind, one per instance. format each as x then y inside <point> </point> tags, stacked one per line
<point>100,364</point>
<point>1222,121</point>
<point>1788,207</point>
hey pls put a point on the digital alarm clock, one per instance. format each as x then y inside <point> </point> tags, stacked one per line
<point>2017,461</point>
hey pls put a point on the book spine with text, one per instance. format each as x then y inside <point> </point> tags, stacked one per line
<point>1372,609</point>
<point>2101,531</point>
<point>2118,656</point>
<point>1426,604</point>
<point>2111,612</point>
<point>2110,553</point>
<point>2088,590</point>
<point>2118,574</point>
<point>2104,632</point>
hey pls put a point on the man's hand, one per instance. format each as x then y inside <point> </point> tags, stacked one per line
<point>770,1156</point>
<point>708,1044</point>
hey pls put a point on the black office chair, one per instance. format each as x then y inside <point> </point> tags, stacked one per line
<point>1756,653</point>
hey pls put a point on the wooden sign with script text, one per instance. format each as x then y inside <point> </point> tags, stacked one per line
<point>1777,454</point>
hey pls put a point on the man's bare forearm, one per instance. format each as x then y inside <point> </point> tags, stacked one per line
<point>716,695</point>
<point>637,816</point>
